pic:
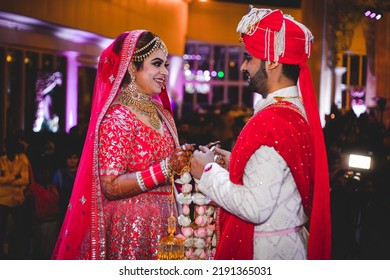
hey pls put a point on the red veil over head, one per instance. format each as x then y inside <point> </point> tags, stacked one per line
<point>83,233</point>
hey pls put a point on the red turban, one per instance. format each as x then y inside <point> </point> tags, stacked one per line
<point>272,36</point>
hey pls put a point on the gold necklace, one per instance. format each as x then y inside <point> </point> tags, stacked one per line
<point>143,104</point>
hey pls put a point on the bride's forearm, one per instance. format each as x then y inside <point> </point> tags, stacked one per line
<point>131,184</point>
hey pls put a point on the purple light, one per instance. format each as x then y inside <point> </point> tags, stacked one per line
<point>31,24</point>
<point>81,37</point>
<point>71,90</point>
<point>175,78</point>
<point>372,14</point>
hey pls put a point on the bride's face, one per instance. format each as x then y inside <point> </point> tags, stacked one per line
<point>153,74</point>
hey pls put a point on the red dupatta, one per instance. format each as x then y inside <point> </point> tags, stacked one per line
<point>82,235</point>
<point>292,142</point>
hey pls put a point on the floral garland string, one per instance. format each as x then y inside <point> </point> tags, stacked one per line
<point>197,221</point>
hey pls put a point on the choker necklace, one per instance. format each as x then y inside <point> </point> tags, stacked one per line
<point>143,104</point>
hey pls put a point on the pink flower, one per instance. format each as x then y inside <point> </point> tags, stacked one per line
<point>185,178</point>
<point>199,243</point>
<point>180,236</point>
<point>186,209</point>
<point>193,257</point>
<point>186,188</point>
<point>184,221</point>
<point>210,230</point>
<point>184,199</point>
<point>199,199</point>
<point>200,209</point>
<point>211,227</point>
<point>200,232</point>
<point>189,252</point>
<point>187,231</point>
<point>189,242</point>
<point>200,253</point>
<point>201,220</point>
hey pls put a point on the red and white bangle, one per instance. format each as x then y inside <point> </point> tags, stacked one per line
<point>164,168</point>
<point>154,178</point>
<point>140,181</point>
<point>154,175</point>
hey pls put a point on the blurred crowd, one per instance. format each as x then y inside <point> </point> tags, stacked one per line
<point>360,204</point>
<point>37,175</point>
<point>360,198</point>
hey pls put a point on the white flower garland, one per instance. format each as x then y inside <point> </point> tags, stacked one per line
<point>197,221</point>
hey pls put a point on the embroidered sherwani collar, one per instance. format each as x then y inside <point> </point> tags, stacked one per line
<point>290,93</point>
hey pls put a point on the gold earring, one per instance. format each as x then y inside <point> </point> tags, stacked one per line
<point>132,87</point>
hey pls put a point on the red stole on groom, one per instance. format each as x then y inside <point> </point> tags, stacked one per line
<point>284,128</point>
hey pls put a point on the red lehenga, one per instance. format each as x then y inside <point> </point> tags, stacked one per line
<point>135,225</point>
<point>95,228</point>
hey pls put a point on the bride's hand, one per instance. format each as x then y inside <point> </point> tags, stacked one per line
<point>179,160</point>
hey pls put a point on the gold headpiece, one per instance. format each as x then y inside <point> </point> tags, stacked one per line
<point>159,44</point>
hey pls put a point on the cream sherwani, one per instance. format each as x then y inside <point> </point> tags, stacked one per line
<point>269,197</point>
